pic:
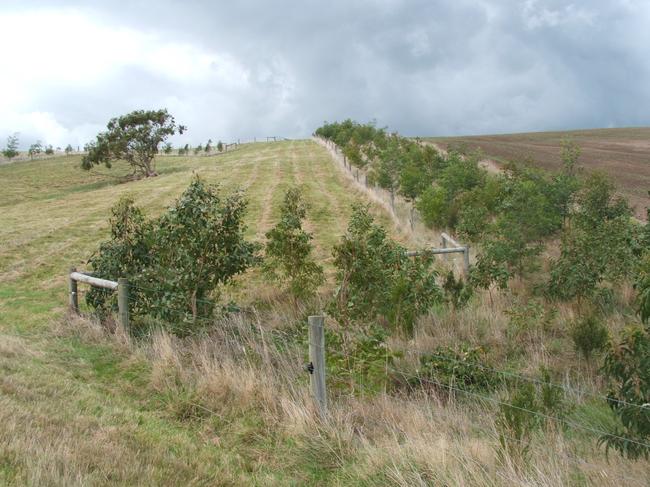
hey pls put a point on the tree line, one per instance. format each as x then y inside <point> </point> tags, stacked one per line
<point>37,148</point>
<point>512,218</point>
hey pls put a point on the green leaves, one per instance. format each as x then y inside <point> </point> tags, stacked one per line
<point>357,362</point>
<point>11,149</point>
<point>35,149</point>
<point>177,262</point>
<point>134,138</point>
<point>376,279</point>
<point>599,244</point>
<point>288,249</point>
<point>627,367</point>
<point>643,289</point>
<point>461,369</point>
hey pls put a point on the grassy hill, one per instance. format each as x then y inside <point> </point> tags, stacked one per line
<point>622,153</point>
<point>82,406</point>
<point>76,411</point>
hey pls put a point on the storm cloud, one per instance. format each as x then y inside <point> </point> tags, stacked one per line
<point>249,69</point>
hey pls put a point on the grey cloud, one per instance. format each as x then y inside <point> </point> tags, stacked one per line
<point>420,67</point>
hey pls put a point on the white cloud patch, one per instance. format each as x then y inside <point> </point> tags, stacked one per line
<point>70,50</point>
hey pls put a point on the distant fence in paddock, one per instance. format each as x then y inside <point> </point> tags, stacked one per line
<point>457,248</point>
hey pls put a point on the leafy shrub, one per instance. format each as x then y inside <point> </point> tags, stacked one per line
<point>461,174</point>
<point>626,365</point>
<point>516,422</point>
<point>530,404</point>
<point>589,335</point>
<point>358,362</point>
<point>553,401</point>
<point>35,149</point>
<point>477,209</point>
<point>598,246</point>
<point>376,278</point>
<point>491,266</point>
<point>642,286</point>
<point>433,207</point>
<point>288,249</point>
<point>11,149</point>
<point>457,291</point>
<point>175,263</point>
<point>462,369</point>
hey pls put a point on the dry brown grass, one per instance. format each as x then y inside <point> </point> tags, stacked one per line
<point>82,405</point>
<point>420,438</point>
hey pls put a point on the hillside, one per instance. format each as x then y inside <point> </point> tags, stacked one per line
<point>624,154</point>
<point>76,409</point>
<point>85,405</point>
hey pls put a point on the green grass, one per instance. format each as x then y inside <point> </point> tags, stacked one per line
<point>92,399</point>
<point>78,408</point>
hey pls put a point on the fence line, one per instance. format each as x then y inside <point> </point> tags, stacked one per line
<point>566,388</point>
<point>317,368</point>
<point>535,413</point>
<point>317,349</point>
<point>575,461</point>
<point>390,206</point>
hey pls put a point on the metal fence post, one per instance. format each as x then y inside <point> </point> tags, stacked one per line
<point>123,303</point>
<point>317,362</point>
<point>74,297</point>
<point>466,261</point>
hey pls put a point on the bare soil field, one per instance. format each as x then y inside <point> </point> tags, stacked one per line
<point>622,153</point>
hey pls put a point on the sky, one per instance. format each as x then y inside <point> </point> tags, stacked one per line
<point>244,69</point>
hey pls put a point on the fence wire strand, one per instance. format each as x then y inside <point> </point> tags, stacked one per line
<point>572,424</point>
<point>566,388</point>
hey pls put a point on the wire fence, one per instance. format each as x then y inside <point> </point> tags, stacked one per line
<point>507,373</point>
<point>567,422</point>
<point>392,372</point>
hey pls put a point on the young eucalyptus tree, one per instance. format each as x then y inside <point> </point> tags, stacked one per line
<point>35,149</point>
<point>11,149</point>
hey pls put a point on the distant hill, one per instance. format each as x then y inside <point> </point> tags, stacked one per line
<point>623,153</point>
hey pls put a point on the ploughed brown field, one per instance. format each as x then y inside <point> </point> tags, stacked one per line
<point>623,153</point>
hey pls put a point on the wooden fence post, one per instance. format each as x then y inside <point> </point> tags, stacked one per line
<point>74,297</point>
<point>123,303</point>
<point>466,261</point>
<point>317,362</point>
